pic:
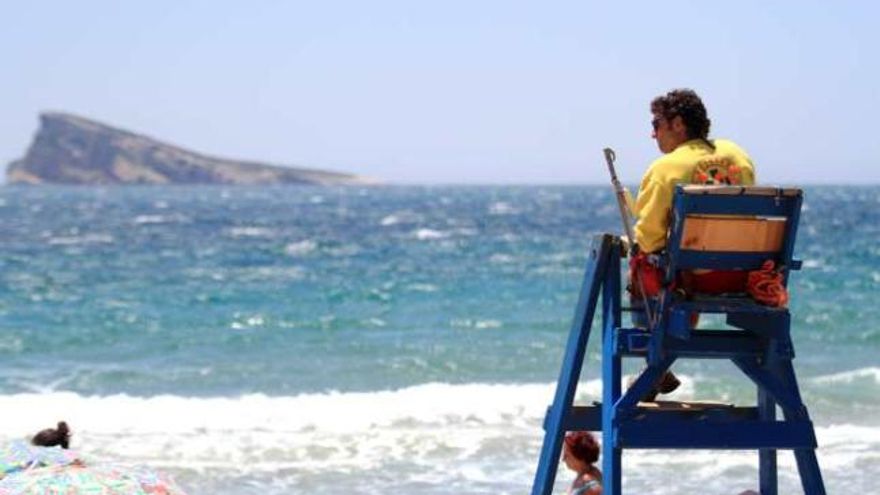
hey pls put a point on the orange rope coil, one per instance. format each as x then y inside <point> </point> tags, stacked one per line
<point>766,286</point>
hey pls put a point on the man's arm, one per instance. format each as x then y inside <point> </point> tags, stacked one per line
<point>652,206</point>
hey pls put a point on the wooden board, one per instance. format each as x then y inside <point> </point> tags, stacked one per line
<point>733,233</point>
<point>670,405</point>
<point>741,190</point>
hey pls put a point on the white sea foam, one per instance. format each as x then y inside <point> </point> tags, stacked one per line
<point>502,208</point>
<point>423,287</point>
<point>11,344</point>
<point>478,323</point>
<point>250,231</point>
<point>429,234</point>
<point>76,240</point>
<point>467,433</point>
<point>400,217</point>
<point>243,322</point>
<point>433,403</point>
<point>866,374</point>
<point>310,431</point>
<point>300,248</point>
<point>501,259</point>
<point>813,263</point>
<point>149,219</point>
<point>487,324</point>
<point>158,219</point>
<point>389,220</point>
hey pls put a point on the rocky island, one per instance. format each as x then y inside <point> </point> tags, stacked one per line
<point>73,150</point>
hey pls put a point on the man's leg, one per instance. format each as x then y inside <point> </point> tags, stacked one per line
<point>668,382</point>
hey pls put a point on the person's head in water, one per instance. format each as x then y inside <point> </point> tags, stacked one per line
<point>51,437</point>
<point>678,116</point>
<point>580,451</point>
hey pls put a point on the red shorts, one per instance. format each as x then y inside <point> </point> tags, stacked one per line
<point>715,282</point>
<point>644,275</point>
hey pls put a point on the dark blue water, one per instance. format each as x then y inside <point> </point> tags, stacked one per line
<point>323,299</point>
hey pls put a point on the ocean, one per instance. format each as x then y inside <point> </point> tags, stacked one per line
<point>287,340</point>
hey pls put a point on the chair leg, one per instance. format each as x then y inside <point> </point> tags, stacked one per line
<point>611,391</point>
<point>767,457</point>
<point>808,468</point>
<point>807,463</point>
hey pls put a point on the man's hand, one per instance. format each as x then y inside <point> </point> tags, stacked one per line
<point>625,247</point>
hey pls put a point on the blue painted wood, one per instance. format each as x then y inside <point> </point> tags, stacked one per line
<point>708,204</point>
<point>656,432</point>
<point>641,386</point>
<point>612,454</point>
<point>589,418</point>
<point>578,338</point>
<point>782,393</point>
<point>811,475</point>
<point>768,324</point>
<point>808,464</point>
<point>790,237</point>
<point>583,418</point>
<point>767,467</point>
<point>703,344</point>
<point>719,260</point>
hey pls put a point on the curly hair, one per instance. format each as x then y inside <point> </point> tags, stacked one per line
<point>583,446</point>
<point>686,104</point>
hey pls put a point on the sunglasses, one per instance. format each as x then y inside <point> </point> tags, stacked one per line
<point>656,123</point>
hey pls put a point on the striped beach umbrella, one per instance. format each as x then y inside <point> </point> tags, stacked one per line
<point>20,455</point>
<point>88,480</point>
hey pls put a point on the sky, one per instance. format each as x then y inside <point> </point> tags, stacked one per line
<point>454,92</point>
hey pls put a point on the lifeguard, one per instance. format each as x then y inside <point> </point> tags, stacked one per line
<point>680,126</point>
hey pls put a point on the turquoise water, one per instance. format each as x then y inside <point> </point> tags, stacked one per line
<point>300,340</point>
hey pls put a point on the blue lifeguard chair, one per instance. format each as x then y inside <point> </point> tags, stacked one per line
<point>764,223</point>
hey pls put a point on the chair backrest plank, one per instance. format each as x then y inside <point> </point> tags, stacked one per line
<point>732,227</point>
<point>733,233</point>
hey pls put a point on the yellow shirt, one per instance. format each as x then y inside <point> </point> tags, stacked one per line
<point>692,162</point>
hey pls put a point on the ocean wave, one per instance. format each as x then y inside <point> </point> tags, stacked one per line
<point>389,220</point>
<point>77,240</point>
<point>250,231</point>
<point>422,287</point>
<point>429,234</point>
<point>327,431</point>
<point>476,323</point>
<point>437,433</point>
<point>243,322</point>
<point>813,263</point>
<point>300,248</point>
<point>502,208</point>
<point>500,258</point>
<point>400,217</point>
<point>158,219</point>
<point>11,345</point>
<point>861,374</point>
<point>428,405</point>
